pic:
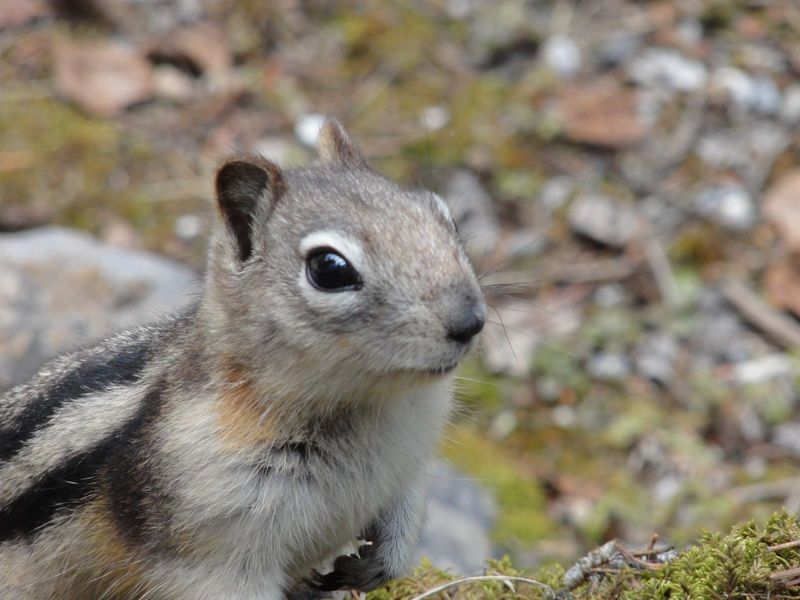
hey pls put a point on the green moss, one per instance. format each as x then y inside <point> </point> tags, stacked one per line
<point>736,565</point>
<point>522,516</point>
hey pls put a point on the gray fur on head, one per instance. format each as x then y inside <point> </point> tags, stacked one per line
<point>403,243</point>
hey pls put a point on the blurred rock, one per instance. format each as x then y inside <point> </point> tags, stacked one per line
<point>200,49</point>
<point>60,289</point>
<point>609,366</point>
<point>787,436</point>
<point>16,13</point>
<point>610,295</point>
<point>790,109</point>
<point>188,227</point>
<point>756,94</point>
<point>562,55</point>
<point>473,211</point>
<point>729,205</point>
<point>655,356</point>
<point>603,220</point>
<point>720,337</point>
<point>172,83</point>
<point>102,78</point>
<point>749,149</point>
<point>763,368</point>
<point>601,113</point>
<point>781,207</point>
<point>459,520</point>
<point>307,128</point>
<point>435,117</point>
<point>782,284</point>
<point>618,49</point>
<point>662,67</point>
<point>555,192</point>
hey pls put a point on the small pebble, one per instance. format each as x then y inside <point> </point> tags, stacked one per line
<point>603,219</point>
<point>562,55</point>
<point>660,67</point>
<point>307,128</point>
<point>609,366</point>
<point>729,205</point>
<point>188,227</point>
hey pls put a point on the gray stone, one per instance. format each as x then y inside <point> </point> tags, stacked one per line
<point>473,211</point>
<point>60,289</point>
<point>790,109</point>
<point>656,355</point>
<point>460,516</point>
<point>562,55</point>
<point>746,93</point>
<point>729,205</point>
<point>787,436</point>
<point>666,68</point>
<point>609,366</point>
<point>603,219</point>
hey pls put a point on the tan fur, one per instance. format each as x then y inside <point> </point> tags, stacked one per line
<point>117,566</point>
<point>241,413</point>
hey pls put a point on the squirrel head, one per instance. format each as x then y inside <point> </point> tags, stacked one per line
<point>336,278</point>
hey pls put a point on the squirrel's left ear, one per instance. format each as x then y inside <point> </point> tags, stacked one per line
<point>242,185</point>
<point>335,146</point>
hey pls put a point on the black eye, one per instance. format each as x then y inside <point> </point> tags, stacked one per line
<point>329,271</point>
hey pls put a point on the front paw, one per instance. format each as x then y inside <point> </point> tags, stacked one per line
<point>363,572</point>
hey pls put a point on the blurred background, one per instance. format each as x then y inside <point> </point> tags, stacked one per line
<point>625,175</point>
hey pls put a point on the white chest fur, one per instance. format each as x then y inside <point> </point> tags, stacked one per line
<point>286,519</point>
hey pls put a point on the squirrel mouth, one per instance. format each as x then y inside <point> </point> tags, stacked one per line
<point>438,371</point>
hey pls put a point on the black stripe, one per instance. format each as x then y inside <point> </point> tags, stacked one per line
<point>132,490</point>
<point>95,374</point>
<point>76,481</point>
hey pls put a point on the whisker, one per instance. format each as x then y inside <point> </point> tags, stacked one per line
<point>513,256</point>
<point>510,346</point>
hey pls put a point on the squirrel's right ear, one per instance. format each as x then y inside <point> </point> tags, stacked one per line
<point>335,146</point>
<point>242,185</point>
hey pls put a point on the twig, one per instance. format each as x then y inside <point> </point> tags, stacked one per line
<point>629,556</point>
<point>784,546</point>
<point>504,578</point>
<point>777,326</point>
<point>578,572</point>
<point>792,573</point>
<point>659,265</point>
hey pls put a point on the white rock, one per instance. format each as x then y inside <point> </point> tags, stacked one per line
<point>729,205</point>
<point>435,117</point>
<point>790,109</point>
<point>562,55</point>
<point>603,220</point>
<point>661,67</point>
<point>754,94</point>
<point>188,227</point>
<point>459,518</point>
<point>609,366</point>
<point>307,128</point>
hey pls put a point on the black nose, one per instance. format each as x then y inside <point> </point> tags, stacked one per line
<point>468,324</point>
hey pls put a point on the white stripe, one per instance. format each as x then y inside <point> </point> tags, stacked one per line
<point>74,429</point>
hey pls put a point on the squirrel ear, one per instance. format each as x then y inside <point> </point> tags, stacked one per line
<point>241,186</point>
<point>335,146</point>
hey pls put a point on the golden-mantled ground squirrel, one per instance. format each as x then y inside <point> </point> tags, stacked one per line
<point>224,453</point>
